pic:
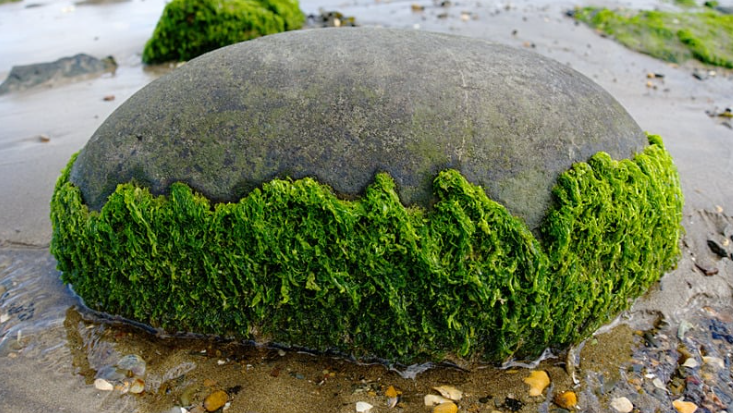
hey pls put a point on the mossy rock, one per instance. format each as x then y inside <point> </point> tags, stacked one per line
<point>393,194</point>
<point>189,28</point>
<point>672,36</point>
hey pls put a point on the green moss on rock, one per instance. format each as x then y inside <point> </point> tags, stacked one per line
<point>189,28</point>
<point>292,263</point>
<point>675,37</point>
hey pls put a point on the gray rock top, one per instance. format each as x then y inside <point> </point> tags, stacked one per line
<point>27,76</point>
<point>340,105</point>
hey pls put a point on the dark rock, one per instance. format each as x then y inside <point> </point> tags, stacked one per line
<point>27,76</point>
<point>513,405</point>
<point>707,268</point>
<point>341,105</point>
<point>717,249</point>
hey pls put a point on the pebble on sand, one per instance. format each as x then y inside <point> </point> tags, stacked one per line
<point>134,364</point>
<point>449,392</point>
<point>684,407</point>
<point>714,361</point>
<point>393,396</point>
<point>622,405</point>
<point>137,386</point>
<point>434,400</point>
<point>215,400</point>
<point>363,407</point>
<point>104,385</point>
<point>566,400</point>
<point>537,380</point>
<point>448,407</point>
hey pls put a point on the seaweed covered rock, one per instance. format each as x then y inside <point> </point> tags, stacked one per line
<point>189,28</point>
<point>672,36</point>
<point>385,193</point>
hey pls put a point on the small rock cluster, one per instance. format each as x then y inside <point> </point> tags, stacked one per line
<point>127,376</point>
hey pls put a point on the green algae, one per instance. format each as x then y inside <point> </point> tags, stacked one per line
<point>671,36</point>
<point>292,263</point>
<point>189,28</point>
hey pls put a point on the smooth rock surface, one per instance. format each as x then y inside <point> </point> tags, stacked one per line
<point>27,76</point>
<point>342,104</point>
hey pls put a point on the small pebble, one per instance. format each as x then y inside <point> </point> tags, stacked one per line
<point>109,98</point>
<point>717,249</point>
<point>215,400</point>
<point>684,327</point>
<point>104,385</point>
<point>622,405</point>
<point>566,399</point>
<point>448,407</point>
<point>537,380</point>
<point>44,138</point>
<point>434,400</point>
<point>391,392</point>
<point>684,407</point>
<point>690,363</point>
<point>133,363</point>
<point>393,396</point>
<point>123,387</point>
<point>708,270</point>
<point>111,374</point>
<point>449,392</point>
<point>714,361</point>
<point>137,386</point>
<point>363,407</point>
<point>657,382</point>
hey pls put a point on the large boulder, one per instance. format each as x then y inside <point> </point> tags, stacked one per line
<point>384,193</point>
<point>340,106</point>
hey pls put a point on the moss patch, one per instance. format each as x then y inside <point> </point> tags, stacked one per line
<point>294,264</point>
<point>675,37</point>
<point>189,28</point>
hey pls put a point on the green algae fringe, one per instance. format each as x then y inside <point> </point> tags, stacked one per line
<point>294,264</point>
<point>190,28</point>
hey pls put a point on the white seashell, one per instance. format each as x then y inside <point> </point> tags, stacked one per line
<point>714,361</point>
<point>434,400</point>
<point>449,392</point>
<point>658,384</point>
<point>363,407</point>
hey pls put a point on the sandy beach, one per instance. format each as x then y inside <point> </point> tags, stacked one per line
<point>50,349</point>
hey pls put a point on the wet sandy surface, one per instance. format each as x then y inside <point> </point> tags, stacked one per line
<point>50,349</point>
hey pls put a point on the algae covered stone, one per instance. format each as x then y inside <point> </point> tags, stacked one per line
<point>189,28</point>
<point>672,36</point>
<point>383,193</point>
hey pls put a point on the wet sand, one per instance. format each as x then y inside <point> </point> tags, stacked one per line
<point>49,350</point>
